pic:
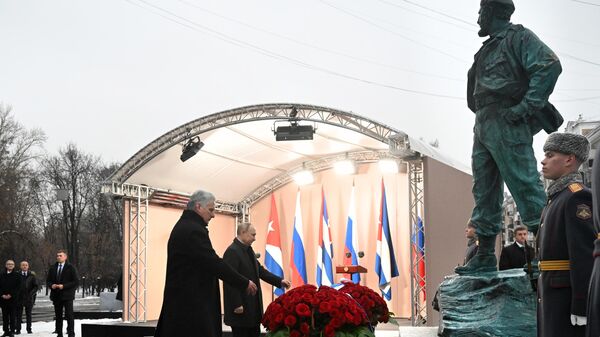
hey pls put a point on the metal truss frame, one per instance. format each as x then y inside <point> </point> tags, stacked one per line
<point>399,147</point>
<point>278,111</point>
<point>138,197</point>
<point>313,165</point>
<point>418,280</point>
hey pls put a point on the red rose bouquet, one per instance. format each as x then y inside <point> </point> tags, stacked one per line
<point>309,312</point>
<point>373,304</point>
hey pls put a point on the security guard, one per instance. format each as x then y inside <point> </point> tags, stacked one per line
<point>508,88</point>
<point>593,307</point>
<point>565,239</point>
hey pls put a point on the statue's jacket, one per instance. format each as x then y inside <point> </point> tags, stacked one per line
<point>515,66</point>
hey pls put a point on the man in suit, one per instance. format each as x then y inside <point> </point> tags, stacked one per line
<point>29,288</point>
<point>565,239</point>
<point>243,312</point>
<point>63,280</point>
<point>192,299</point>
<point>10,285</point>
<point>517,254</point>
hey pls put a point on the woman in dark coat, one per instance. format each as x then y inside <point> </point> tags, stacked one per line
<point>192,299</point>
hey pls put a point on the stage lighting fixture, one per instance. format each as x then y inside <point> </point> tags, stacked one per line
<point>388,166</point>
<point>345,167</point>
<point>294,131</point>
<point>190,148</point>
<point>303,177</point>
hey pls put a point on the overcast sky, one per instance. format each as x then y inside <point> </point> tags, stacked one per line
<point>113,75</point>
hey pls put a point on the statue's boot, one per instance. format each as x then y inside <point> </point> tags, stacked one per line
<point>485,259</point>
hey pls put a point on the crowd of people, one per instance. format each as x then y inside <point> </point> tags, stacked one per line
<point>18,292</point>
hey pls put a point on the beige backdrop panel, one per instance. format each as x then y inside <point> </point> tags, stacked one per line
<point>448,205</point>
<point>337,194</point>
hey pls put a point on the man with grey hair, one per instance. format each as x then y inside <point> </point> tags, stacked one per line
<point>242,312</point>
<point>192,299</point>
<point>517,254</point>
<point>565,239</point>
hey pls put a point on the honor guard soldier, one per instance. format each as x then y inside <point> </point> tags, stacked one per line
<point>565,239</point>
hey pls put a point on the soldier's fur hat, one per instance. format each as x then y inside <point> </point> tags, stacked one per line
<point>569,143</point>
<point>502,2</point>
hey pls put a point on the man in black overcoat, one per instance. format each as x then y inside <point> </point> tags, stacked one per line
<point>63,281</point>
<point>517,254</point>
<point>29,288</point>
<point>472,244</point>
<point>10,286</point>
<point>242,311</point>
<point>565,239</point>
<point>192,299</point>
<point>593,305</point>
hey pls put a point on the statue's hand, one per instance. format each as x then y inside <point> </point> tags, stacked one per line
<point>516,113</point>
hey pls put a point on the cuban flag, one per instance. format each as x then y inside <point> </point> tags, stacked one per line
<point>351,244</point>
<point>385,261</point>
<point>325,250</point>
<point>273,256</point>
<point>298,259</point>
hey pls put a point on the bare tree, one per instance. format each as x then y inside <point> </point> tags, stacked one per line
<point>78,173</point>
<point>18,149</point>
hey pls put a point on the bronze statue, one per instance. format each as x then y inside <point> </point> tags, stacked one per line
<point>510,81</point>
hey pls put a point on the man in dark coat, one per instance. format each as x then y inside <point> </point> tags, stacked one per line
<point>517,254</point>
<point>244,312</point>
<point>593,305</point>
<point>192,299</point>
<point>10,285</point>
<point>63,281</point>
<point>472,244</point>
<point>29,288</point>
<point>565,239</point>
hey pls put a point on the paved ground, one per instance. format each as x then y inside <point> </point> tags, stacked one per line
<point>43,315</point>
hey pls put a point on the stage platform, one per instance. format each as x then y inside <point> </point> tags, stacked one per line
<point>124,329</point>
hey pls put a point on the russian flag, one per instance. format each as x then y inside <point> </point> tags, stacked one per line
<point>385,262</point>
<point>273,256</point>
<point>351,244</point>
<point>325,250</point>
<point>418,243</point>
<point>298,259</point>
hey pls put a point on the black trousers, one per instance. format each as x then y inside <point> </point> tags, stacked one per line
<point>9,316</point>
<point>28,308</point>
<point>239,331</point>
<point>58,313</point>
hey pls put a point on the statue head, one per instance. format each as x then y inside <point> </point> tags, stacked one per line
<point>493,13</point>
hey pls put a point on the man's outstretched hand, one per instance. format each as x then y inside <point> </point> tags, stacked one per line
<point>251,289</point>
<point>286,284</point>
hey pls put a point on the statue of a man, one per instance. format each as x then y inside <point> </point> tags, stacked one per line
<point>509,83</point>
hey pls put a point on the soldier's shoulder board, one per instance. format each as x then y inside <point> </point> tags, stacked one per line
<point>575,187</point>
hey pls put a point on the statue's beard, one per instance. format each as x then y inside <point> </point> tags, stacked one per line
<point>485,21</point>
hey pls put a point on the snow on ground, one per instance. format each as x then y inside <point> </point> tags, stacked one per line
<point>44,329</point>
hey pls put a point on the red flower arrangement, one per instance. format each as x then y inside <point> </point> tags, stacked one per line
<point>373,304</point>
<point>307,311</point>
